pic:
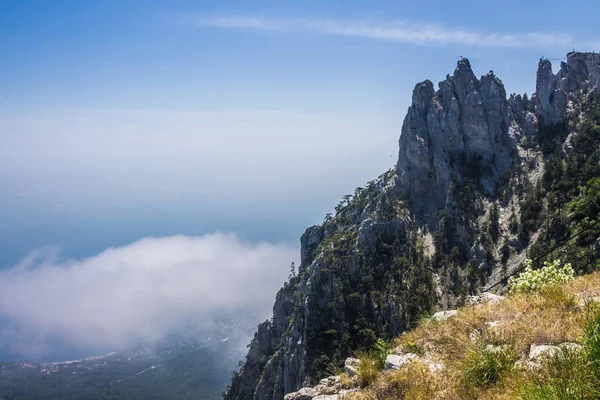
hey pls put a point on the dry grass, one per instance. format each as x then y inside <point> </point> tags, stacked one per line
<point>553,315</point>
<point>346,380</point>
<point>368,368</point>
<point>414,382</point>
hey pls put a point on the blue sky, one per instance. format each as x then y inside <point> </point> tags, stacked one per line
<point>117,64</point>
<point>122,120</point>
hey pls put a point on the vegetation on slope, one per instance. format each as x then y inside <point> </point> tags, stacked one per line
<point>349,292</point>
<point>483,351</point>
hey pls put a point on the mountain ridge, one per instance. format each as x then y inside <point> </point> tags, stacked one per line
<point>460,209</point>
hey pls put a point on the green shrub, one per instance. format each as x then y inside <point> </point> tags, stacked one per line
<point>483,365</point>
<point>381,349</point>
<point>531,280</point>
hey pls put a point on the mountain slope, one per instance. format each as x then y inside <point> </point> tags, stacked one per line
<point>476,175</point>
<point>530,345</point>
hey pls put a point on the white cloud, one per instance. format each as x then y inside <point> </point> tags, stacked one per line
<point>396,31</point>
<point>137,292</point>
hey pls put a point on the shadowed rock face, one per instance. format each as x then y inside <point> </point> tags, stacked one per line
<point>466,124</point>
<point>466,118</point>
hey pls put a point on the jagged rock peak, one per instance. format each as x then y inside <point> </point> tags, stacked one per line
<point>465,118</point>
<point>559,94</point>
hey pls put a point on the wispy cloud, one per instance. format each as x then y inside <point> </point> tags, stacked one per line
<point>135,293</point>
<point>396,31</point>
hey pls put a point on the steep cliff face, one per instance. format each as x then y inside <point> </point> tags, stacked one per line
<point>465,119</point>
<point>424,234</point>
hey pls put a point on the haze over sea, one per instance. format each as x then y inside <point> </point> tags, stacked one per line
<point>160,160</point>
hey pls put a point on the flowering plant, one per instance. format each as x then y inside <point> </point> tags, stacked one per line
<point>532,279</point>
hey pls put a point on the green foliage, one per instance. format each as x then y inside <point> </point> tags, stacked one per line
<point>526,144</point>
<point>376,292</point>
<point>494,222</point>
<point>531,280</point>
<point>532,206</point>
<point>381,349</point>
<point>484,365</point>
<point>587,207</point>
<point>550,137</point>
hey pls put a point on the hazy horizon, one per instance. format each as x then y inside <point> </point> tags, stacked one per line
<point>159,161</point>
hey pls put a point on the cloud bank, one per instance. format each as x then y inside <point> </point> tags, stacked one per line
<point>138,292</point>
<point>395,31</point>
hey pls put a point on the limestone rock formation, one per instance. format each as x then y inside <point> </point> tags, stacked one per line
<point>411,241</point>
<point>465,120</point>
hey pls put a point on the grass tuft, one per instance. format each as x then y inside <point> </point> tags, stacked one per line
<point>484,365</point>
<point>566,376</point>
<point>368,368</point>
<point>591,333</point>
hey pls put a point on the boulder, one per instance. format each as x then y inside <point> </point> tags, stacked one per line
<point>305,393</point>
<point>443,315</point>
<point>538,352</point>
<point>397,361</point>
<point>329,385</point>
<point>483,298</point>
<point>351,366</point>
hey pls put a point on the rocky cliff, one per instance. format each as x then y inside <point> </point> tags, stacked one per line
<point>466,118</point>
<point>457,212</point>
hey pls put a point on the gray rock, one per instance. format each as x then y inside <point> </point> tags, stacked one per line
<point>538,352</point>
<point>328,397</point>
<point>516,244</point>
<point>443,315</point>
<point>465,118</point>
<point>370,230</point>
<point>557,95</point>
<point>397,361</point>
<point>527,365</point>
<point>351,366</point>
<point>483,298</point>
<point>309,241</point>
<point>329,385</point>
<point>302,394</point>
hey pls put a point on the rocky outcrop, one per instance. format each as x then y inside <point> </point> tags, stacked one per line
<point>397,361</point>
<point>464,124</point>
<point>559,94</point>
<point>443,315</point>
<point>330,388</point>
<point>539,352</point>
<point>367,272</point>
